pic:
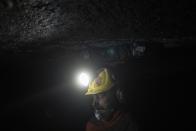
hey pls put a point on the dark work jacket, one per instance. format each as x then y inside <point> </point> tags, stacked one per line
<point>119,122</point>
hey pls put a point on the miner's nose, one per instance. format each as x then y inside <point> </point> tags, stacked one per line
<point>95,101</point>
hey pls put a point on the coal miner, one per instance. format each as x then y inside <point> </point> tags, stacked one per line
<point>108,112</point>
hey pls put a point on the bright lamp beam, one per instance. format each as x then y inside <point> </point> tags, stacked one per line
<point>83,79</point>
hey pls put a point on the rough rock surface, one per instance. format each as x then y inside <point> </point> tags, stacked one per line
<point>27,23</point>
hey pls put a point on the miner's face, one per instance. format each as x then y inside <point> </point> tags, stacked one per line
<point>100,101</point>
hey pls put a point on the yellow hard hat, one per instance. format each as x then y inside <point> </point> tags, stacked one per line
<point>100,84</point>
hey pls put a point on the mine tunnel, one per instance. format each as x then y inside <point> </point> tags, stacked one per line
<point>149,46</point>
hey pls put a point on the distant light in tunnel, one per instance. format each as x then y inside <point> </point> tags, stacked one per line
<point>83,79</point>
